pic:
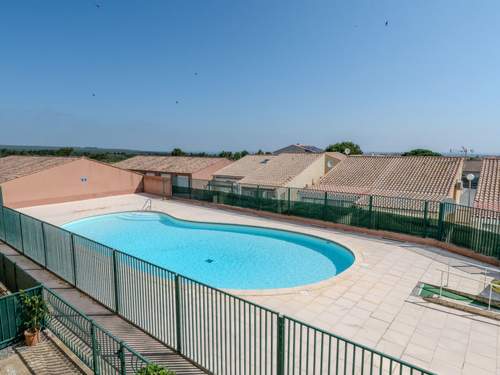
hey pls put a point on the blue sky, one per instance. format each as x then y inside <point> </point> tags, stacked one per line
<point>250,74</point>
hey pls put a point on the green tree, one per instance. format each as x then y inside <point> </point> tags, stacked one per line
<point>226,154</point>
<point>342,146</point>
<point>177,152</point>
<point>421,152</point>
<point>64,151</point>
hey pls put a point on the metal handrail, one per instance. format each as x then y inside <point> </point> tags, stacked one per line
<point>442,285</point>
<point>147,206</point>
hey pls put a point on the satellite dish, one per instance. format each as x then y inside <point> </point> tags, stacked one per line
<point>329,164</point>
<point>470,177</point>
<point>347,151</point>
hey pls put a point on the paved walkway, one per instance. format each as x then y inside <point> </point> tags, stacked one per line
<point>135,338</point>
<point>49,357</point>
<point>372,303</point>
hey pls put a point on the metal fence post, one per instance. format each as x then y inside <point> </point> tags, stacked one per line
<point>95,349</point>
<point>280,362</point>
<point>44,246</point>
<point>258,197</point>
<point>178,320</point>
<point>121,353</point>
<point>116,283</point>
<point>440,222</point>
<point>289,203</point>
<point>4,226</point>
<point>370,212</point>
<point>73,260</point>
<point>21,231</point>
<point>426,217</point>
<point>325,204</point>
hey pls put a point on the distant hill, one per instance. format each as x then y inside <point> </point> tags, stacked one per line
<point>108,155</point>
<point>82,150</point>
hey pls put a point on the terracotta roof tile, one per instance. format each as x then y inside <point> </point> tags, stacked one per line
<point>488,189</point>
<point>280,170</point>
<point>15,166</point>
<point>419,177</point>
<point>172,164</point>
<point>243,167</point>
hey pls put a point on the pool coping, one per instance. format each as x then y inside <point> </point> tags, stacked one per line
<point>256,292</point>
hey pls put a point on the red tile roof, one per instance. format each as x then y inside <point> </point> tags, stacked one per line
<point>170,164</point>
<point>488,189</point>
<point>418,177</point>
<point>15,166</point>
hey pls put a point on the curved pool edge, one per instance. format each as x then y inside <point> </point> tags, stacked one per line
<point>253,292</point>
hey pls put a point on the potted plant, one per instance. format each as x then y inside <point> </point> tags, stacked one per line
<point>35,311</point>
<point>153,369</point>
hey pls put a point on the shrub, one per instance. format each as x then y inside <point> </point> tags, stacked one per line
<point>153,369</point>
<point>35,311</point>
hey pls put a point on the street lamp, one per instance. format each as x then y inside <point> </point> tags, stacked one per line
<point>469,178</point>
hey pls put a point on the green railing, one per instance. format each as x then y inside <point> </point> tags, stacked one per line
<point>472,228</point>
<point>11,325</point>
<point>93,345</point>
<point>220,332</point>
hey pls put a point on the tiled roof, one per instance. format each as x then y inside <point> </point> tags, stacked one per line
<point>472,165</point>
<point>243,167</point>
<point>12,167</point>
<point>419,177</point>
<point>488,190</point>
<point>172,164</point>
<point>280,169</point>
<point>298,148</point>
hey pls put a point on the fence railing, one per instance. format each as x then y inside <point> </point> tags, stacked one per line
<point>93,345</point>
<point>220,332</point>
<point>469,227</point>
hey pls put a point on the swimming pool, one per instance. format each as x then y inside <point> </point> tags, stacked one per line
<point>220,255</point>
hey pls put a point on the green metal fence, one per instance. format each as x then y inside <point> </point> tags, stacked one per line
<point>476,229</point>
<point>220,332</point>
<point>92,344</point>
<point>11,325</point>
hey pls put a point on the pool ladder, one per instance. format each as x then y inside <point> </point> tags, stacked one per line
<point>147,205</point>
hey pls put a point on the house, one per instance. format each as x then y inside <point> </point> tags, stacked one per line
<point>272,174</point>
<point>181,169</point>
<point>418,177</point>
<point>36,180</point>
<point>299,149</point>
<point>488,190</point>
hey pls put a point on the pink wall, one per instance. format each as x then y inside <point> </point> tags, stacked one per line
<point>158,185</point>
<point>81,179</point>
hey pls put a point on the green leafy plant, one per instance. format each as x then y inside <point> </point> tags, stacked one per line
<point>354,148</point>
<point>421,152</point>
<point>35,311</point>
<point>153,369</point>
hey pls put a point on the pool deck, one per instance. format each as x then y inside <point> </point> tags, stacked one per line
<point>372,303</point>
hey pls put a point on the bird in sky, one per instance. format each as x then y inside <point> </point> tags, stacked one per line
<point>176,102</point>
<point>386,23</point>
<point>93,94</point>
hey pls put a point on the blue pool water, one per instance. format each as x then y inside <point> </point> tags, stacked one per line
<point>223,256</point>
